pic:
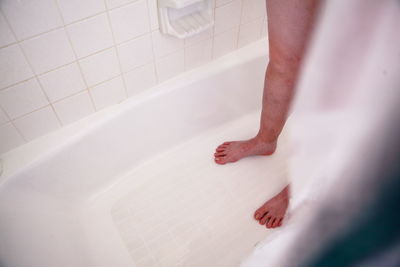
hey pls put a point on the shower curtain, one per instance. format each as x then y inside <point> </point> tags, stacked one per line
<point>347,99</point>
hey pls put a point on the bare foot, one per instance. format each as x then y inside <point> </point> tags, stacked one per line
<point>272,212</point>
<point>233,151</point>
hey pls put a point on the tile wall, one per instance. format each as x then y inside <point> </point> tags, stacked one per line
<point>62,60</point>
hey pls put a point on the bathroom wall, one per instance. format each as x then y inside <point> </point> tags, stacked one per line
<point>62,60</point>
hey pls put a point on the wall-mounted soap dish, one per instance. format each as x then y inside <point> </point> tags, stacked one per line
<point>184,18</point>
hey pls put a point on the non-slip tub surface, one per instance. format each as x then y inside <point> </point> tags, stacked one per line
<point>185,210</point>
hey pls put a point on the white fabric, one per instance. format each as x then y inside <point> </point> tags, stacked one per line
<point>344,98</point>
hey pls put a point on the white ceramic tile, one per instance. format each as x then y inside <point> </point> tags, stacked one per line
<point>73,10</point>
<point>9,138</point>
<point>74,107</point>
<point>153,14</point>
<point>219,3</point>
<point>140,79</point>
<point>164,44</point>
<point>13,66</point>
<point>62,82</point>
<point>225,42</point>
<point>135,53</point>
<point>250,32</point>
<point>6,35</point>
<point>22,98</point>
<point>31,17</point>
<point>48,51</point>
<point>130,21</point>
<point>90,35</point>
<point>108,93</point>
<point>207,34</point>
<point>3,117</point>
<point>227,16</point>
<point>117,3</point>
<point>198,54</point>
<point>100,67</point>
<point>37,123</point>
<point>253,9</point>
<point>170,66</point>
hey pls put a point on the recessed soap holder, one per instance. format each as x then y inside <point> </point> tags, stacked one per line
<point>184,18</point>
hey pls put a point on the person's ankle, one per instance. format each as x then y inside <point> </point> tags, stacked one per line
<point>261,138</point>
<point>285,194</point>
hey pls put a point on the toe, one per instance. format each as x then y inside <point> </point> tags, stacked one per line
<point>220,160</point>
<point>220,149</point>
<point>219,154</point>
<point>275,223</point>
<point>280,222</point>
<point>265,219</point>
<point>270,222</point>
<point>259,213</point>
<point>223,147</point>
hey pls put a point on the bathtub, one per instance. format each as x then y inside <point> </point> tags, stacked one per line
<point>136,184</point>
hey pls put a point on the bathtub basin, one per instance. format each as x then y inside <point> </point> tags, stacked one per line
<point>136,184</point>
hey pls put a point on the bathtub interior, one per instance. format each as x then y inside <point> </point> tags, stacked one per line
<point>184,210</point>
<point>136,184</point>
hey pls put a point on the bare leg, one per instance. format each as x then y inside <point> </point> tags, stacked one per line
<point>289,24</point>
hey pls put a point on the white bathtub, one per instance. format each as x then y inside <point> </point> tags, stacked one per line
<point>136,185</point>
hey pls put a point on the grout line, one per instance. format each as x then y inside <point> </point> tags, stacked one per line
<point>10,44</point>
<point>240,24</point>
<point>213,31</point>
<point>6,114</point>
<point>51,104</point>
<point>152,44</point>
<point>116,49</point>
<point>4,111</point>
<point>122,5</point>
<point>38,34</point>
<point>224,4</point>
<point>154,63</point>
<point>133,38</point>
<point>107,80</point>
<point>13,125</point>
<point>30,112</point>
<point>17,83</point>
<point>76,56</point>
<point>19,132</point>
<point>68,96</point>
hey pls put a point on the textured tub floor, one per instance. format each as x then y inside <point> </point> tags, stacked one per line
<point>187,211</point>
